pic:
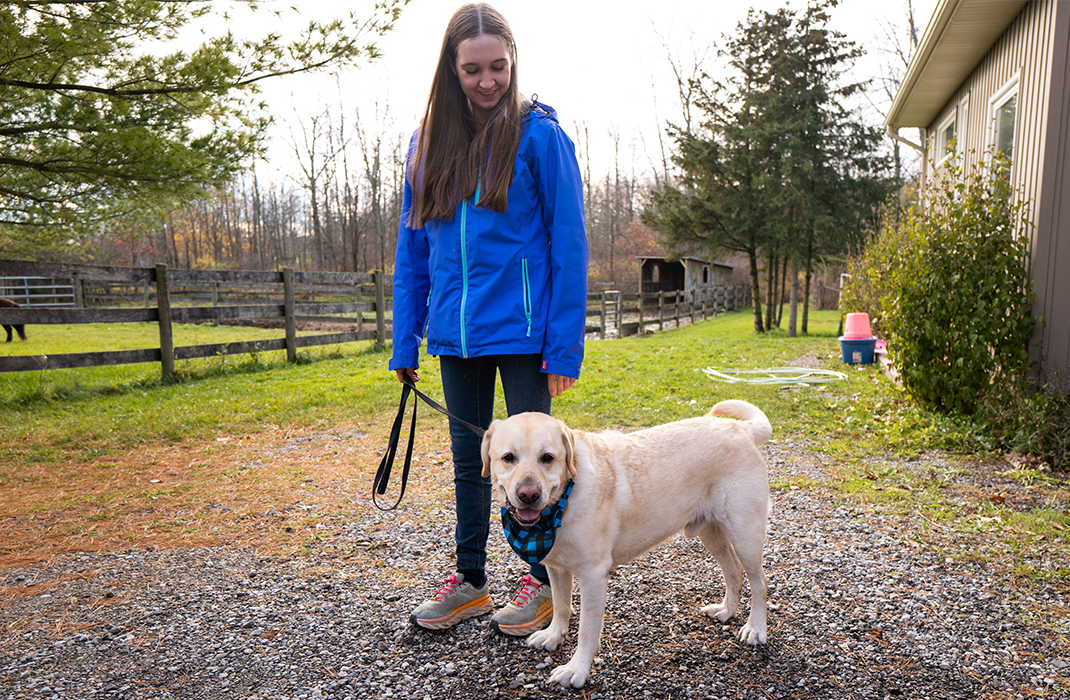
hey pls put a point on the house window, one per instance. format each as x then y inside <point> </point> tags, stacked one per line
<point>705,274</point>
<point>1003,112</point>
<point>945,140</point>
<point>963,125</point>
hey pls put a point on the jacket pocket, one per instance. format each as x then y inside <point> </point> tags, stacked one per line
<point>527,292</point>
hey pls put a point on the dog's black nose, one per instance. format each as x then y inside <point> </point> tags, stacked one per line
<point>528,493</point>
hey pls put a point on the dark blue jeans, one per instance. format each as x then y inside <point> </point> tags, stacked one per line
<point>468,385</point>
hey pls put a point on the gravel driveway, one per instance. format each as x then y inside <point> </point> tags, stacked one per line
<point>858,609</point>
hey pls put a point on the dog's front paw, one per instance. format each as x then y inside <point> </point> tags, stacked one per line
<point>719,611</point>
<point>548,639</point>
<point>569,675</point>
<point>752,634</point>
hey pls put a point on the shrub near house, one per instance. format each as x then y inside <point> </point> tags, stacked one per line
<point>956,305</point>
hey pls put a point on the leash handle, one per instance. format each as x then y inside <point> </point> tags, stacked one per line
<point>382,475</point>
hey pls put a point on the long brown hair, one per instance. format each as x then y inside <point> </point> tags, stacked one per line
<point>454,154</point>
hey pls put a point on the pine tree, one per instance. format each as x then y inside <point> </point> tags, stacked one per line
<point>778,168</point>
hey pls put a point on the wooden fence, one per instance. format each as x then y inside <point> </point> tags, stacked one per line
<point>620,314</point>
<point>162,296</point>
<point>277,294</point>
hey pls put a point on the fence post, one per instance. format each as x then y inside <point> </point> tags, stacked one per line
<point>163,319</point>
<point>602,330</point>
<point>79,293</point>
<point>288,308</point>
<point>380,311</point>
<point>358,297</point>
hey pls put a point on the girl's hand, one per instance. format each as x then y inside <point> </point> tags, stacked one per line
<point>559,384</point>
<point>412,374</point>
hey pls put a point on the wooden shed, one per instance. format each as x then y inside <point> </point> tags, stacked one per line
<point>663,275</point>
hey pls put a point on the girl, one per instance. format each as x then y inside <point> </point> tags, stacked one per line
<point>492,267</point>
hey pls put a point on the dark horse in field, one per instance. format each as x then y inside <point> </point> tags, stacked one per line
<point>19,328</point>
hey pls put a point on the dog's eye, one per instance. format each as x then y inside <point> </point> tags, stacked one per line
<point>508,457</point>
<point>547,458</point>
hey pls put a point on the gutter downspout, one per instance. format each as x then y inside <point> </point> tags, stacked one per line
<point>893,133</point>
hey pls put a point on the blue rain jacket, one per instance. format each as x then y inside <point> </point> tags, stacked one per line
<point>489,283</point>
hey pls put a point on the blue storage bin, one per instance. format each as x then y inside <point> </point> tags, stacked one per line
<point>858,351</point>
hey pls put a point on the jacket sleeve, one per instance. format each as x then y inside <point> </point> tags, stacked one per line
<point>561,191</point>
<point>412,284</point>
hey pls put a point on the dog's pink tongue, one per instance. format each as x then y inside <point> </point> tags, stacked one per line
<point>527,515</point>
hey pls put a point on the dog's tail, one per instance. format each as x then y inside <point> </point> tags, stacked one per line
<point>757,423</point>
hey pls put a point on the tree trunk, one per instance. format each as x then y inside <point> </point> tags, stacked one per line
<point>793,313</point>
<point>770,287</point>
<point>809,280</point>
<point>780,290</point>
<point>756,290</point>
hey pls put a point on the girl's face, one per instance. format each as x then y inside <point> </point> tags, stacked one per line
<point>483,67</point>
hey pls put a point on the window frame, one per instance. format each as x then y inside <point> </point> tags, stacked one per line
<point>1009,90</point>
<point>943,147</point>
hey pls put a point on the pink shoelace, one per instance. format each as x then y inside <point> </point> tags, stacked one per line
<point>449,586</point>
<point>528,589</point>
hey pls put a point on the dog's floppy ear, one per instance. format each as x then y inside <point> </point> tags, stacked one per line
<point>485,449</point>
<point>570,449</point>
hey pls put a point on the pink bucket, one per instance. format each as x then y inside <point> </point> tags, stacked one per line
<point>857,327</point>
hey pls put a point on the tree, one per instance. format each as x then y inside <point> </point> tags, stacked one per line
<point>832,173</point>
<point>779,168</point>
<point>718,201</point>
<point>93,124</point>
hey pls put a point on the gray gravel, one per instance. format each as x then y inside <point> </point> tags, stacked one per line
<point>858,609</point>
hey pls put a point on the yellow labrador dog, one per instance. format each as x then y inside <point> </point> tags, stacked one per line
<point>705,476</point>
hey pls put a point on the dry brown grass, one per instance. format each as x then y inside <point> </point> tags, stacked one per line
<point>276,490</point>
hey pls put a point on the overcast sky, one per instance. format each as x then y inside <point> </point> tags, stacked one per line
<point>601,63</point>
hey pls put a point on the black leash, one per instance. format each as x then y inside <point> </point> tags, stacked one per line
<point>382,476</point>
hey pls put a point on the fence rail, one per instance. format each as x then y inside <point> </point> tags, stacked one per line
<point>278,293</point>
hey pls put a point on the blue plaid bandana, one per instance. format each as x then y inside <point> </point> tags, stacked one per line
<point>533,542</point>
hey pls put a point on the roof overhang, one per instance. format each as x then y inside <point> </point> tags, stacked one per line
<point>958,36</point>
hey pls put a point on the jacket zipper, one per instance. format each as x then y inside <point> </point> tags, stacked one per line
<point>464,276</point>
<point>464,268</point>
<point>527,293</point>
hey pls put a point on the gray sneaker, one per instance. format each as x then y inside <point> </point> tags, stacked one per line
<point>529,611</point>
<point>456,601</point>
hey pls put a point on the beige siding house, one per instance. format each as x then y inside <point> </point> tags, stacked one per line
<point>995,74</point>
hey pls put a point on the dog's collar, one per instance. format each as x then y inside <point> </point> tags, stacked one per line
<point>533,542</point>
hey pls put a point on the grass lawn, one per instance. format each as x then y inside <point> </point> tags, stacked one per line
<point>112,457</point>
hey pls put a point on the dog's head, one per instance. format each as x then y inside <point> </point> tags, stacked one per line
<point>529,457</point>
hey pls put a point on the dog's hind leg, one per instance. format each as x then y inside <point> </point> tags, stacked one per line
<point>716,540</point>
<point>754,632</point>
<point>738,550</point>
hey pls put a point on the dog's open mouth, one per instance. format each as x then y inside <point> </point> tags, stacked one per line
<point>524,516</point>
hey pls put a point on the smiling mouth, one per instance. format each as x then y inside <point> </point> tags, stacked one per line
<point>524,516</point>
